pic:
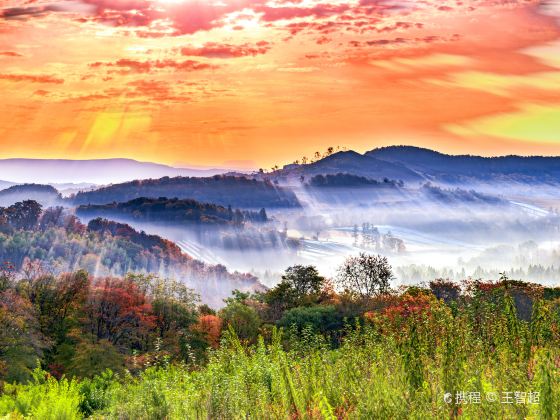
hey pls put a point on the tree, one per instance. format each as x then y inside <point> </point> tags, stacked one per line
<point>210,326</point>
<point>24,215</point>
<point>262,215</point>
<point>322,318</point>
<point>304,279</point>
<point>92,358</point>
<point>243,319</point>
<point>279,299</point>
<point>366,275</point>
<point>52,217</point>
<point>21,342</point>
<point>118,311</point>
<point>57,299</point>
<point>300,285</point>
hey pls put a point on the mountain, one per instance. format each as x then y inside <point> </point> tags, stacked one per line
<point>220,189</point>
<point>43,194</point>
<point>353,163</point>
<point>6,184</point>
<point>96,171</point>
<point>456,169</point>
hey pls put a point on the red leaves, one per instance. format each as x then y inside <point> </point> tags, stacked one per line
<point>410,306</point>
<point>117,310</point>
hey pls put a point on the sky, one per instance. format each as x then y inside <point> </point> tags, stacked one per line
<point>256,83</point>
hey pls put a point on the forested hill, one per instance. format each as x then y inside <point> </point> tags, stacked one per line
<point>220,189</point>
<point>43,194</point>
<point>441,167</point>
<point>173,210</point>
<point>106,248</point>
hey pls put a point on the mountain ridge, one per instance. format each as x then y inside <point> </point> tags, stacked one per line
<point>96,171</point>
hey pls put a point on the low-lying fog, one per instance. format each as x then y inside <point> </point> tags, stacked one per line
<point>426,233</point>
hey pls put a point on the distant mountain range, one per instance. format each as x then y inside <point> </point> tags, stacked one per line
<point>96,171</point>
<point>417,165</point>
<point>413,165</point>
<point>454,169</point>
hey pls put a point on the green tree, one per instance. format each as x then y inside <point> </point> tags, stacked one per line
<point>90,358</point>
<point>243,319</point>
<point>321,318</point>
<point>304,280</point>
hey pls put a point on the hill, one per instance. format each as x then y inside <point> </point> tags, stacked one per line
<point>173,210</point>
<point>96,171</point>
<point>43,194</point>
<point>107,248</point>
<point>456,169</point>
<point>353,163</point>
<point>220,189</point>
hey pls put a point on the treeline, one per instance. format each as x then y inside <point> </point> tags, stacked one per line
<point>345,180</point>
<point>224,190</point>
<point>77,325</point>
<point>444,195</point>
<point>538,273</point>
<point>174,210</point>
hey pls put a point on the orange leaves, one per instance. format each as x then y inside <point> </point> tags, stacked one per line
<point>211,327</point>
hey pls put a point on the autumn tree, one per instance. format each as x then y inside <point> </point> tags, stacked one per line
<point>58,300</point>
<point>119,311</point>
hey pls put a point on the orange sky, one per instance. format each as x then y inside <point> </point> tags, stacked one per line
<point>258,82</point>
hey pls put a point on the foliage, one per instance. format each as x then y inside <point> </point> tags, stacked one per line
<point>366,275</point>
<point>105,248</point>
<point>398,359</point>
<point>320,318</point>
<point>242,319</point>
<point>220,189</point>
<point>345,180</point>
<point>173,210</point>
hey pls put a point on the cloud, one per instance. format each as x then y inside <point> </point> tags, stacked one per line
<point>217,50</point>
<point>270,14</point>
<point>33,78</point>
<point>129,66</point>
<point>10,54</point>
<point>140,91</point>
<point>27,12</point>
<point>164,19</point>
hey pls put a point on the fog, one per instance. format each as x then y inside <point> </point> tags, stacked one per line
<point>425,232</point>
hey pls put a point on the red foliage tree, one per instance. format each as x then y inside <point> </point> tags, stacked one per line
<point>120,312</point>
<point>211,327</point>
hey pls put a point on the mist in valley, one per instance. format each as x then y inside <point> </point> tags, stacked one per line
<point>426,231</point>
